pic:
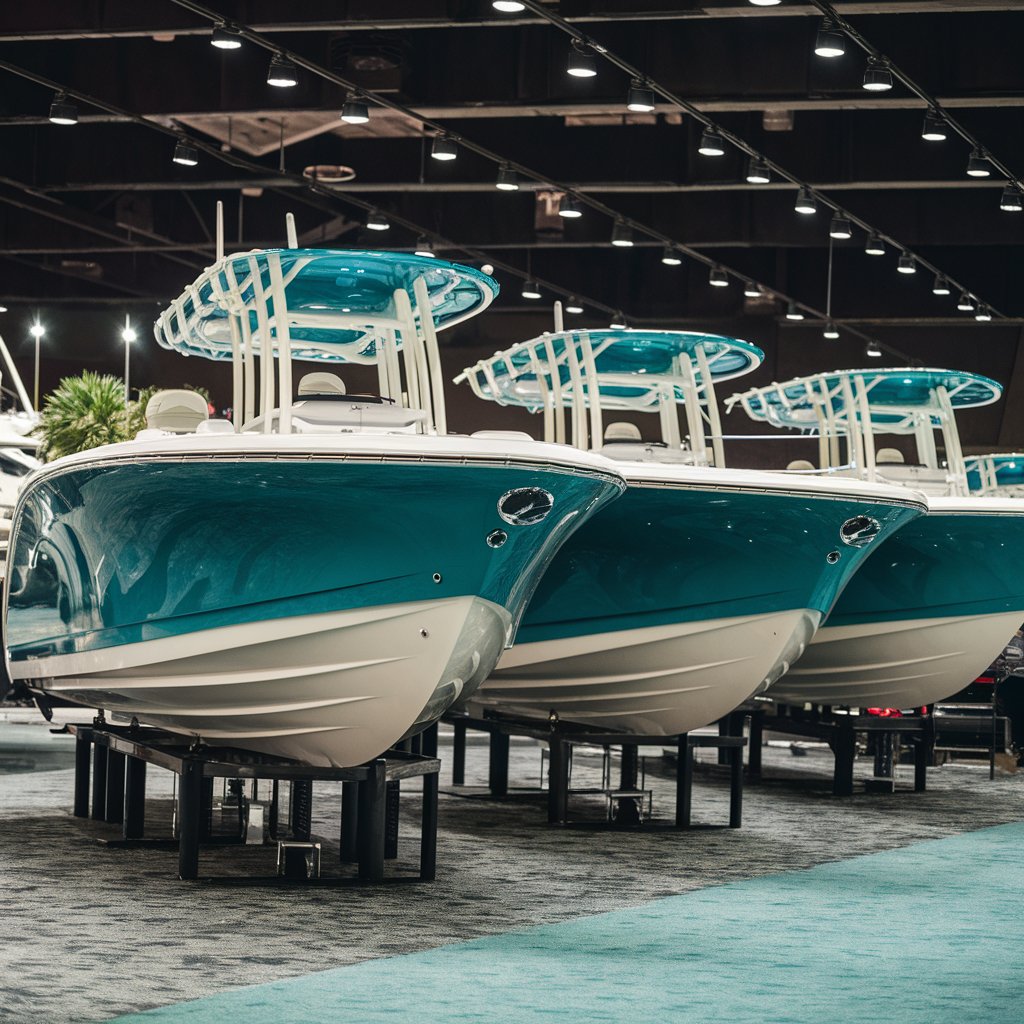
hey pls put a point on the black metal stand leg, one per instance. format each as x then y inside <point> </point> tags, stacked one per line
<point>459,754</point>
<point>428,829</point>
<point>724,726</point>
<point>393,803</point>
<point>428,741</point>
<point>627,814</point>
<point>684,783</point>
<point>558,781</point>
<point>134,799</point>
<point>99,782</point>
<point>83,743</point>
<point>115,788</point>
<point>498,764</point>
<point>756,740</point>
<point>190,798</point>
<point>349,822</point>
<point>736,788</point>
<point>371,823</point>
<point>922,756</point>
<point>844,747</point>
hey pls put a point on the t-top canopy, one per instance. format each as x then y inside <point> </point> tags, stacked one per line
<point>895,398</point>
<point>634,368</point>
<point>338,301</point>
<point>1000,472</point>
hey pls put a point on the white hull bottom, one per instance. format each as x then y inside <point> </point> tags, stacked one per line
<point>896,664</point>
<point>332,689</point>
<point>654,681</point>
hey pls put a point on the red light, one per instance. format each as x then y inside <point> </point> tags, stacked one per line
<point>885,712</point>
<point>985,680</point>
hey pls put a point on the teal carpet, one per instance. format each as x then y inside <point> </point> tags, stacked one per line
<point>928,934</point>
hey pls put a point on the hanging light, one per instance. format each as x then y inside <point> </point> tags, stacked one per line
<point>984,314</point>
<point>640,97</point>
<point>873,351</point>
<point>225,38</point>
<point>572,305</point>
<point>805,202</point>
<point>582,63</point>
<point>711,143</point>
<point>965,303</point>
<point>934,129</point>
<point>282,72</point>
<point>978,165</point>
<point>758,172</point>
<point>568,207</point>
<point>670,257</point>
<point>752,290</point>
<point>355,111</point>
<point>839,227</point>
<point>443,148</point>
<point>377,221</point>
<point>874,246</point>
<point>618,321</point>
<point>185,154</point>
<point>793,312</point>
<point>941,285</point>
<point>877,76</point>
<point>62,110</point>
<point>622,235</point>
<point>508,6</point>
<point>718,278</point>
<point>508,180</point>
<point>907,264</point>
<point>3,309</point>
<point>424,248</point>
<point>829,42</point>
<point>765,3</point>
<point>1012,201</point>
<point>831,331</point>
<point>531,290</point>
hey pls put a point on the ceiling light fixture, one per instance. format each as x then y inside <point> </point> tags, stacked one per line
<point>907,264</point>
<point>872,351</point>
<point>934,129</point>
<point>718,278</point>
<point>508,6</point>
<point>508,180</point>
<point>355,111</point>
<point>443,148</point>
<point>941,285</point>
<point>874,246</point>
<point>572,305</point>
<point>793,312</point>
<point>282,73</point>
<point>671,257</point>
<point>766,3</point>
<point>711,143</point>
<point>62,110</point>
<point>978,165</point>
<point>582,63</point>
<point>618,321</point>
<point>1012,201</point>
<point>185,154</point>
<point>424,248</point>
<point>984,314</point>
<point>831,331</point>
<point>805,202</point>
<point>877,75</point>
<point>752,290</point>
<point>377,221</point>
<point>622,235</point>
<point>531,290</point>
<point>829,42</point>
<point>568,207</point>
<point>225,38</point>
<point>839,226</point>
<point>640,98</point>
<point>758,172</point>
<point>965,303</point>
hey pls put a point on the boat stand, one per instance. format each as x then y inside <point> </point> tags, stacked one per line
<point>626,801</point>
<point>118,758</point>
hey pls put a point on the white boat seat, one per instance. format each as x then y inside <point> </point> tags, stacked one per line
<point>179,411</point>
<point>321,383</point>
<point>621,431</point>
<point>215,427</point>
<point>889,457</point>
<point>800,466</point>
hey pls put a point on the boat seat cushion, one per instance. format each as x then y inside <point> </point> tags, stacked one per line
<point>179,411</point>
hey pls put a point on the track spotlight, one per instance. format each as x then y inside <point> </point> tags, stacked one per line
<point>355,111</point>
<point>508,6</point>
<point>829,42</point>
<point>873,351</point>
<point>984,314</point>
<point>831,331</point>
<point>793,312</point>
<point>62,110</point>
<point>941,285</point>
<point>531,290</point>
<point>622,235</point>
<point>758,172</point>
<point>618,321</point>
<point>934,129</point>
<point>874,246</point>
<point>711,143</point>
<point>907,264</point>
<point>282,72</point>
<point>640,97</point>
<point>568,207</point>
<point>225,38</point>
<point>839,227</point>
<point>766,3</point>
<point>582,62</point>
<point>805,202</point>
<point>185,154</point>
<point>1012,201</point>
<point>752,290</point>
<point>443,148</point>
<point>424,248</point>
<point>965,303</point>
<point>377,221</point>
<point>877,76</point>
<point>718,278</point>
<point>670,257</point>
<point>572,305</point>
<point>978,165</point>
<point>508,180</point>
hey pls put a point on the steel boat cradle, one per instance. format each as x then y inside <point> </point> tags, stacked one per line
<point>937,603</point>
<point>702,585</point>
<point>328,578</point>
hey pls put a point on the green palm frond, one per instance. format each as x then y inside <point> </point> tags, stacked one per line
<point>84,412</point>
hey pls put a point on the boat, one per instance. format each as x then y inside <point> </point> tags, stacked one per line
<point>939,601</point>
<point>330,576</point>
<point>997,473</point>
<point>702,584</point>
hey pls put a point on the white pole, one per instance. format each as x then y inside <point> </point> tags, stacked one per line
<point>126,335</point>
<point>419,290</point>
<point>559,319</point>
<point>289,224</point>
<point>220,231</point>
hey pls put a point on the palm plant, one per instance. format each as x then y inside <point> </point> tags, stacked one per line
<point>84,412</point>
